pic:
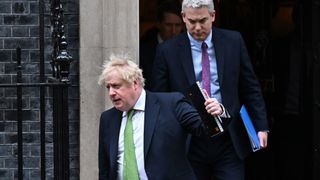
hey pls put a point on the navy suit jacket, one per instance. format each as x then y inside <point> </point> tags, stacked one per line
<point>173,70</point>
<point>168,119</point>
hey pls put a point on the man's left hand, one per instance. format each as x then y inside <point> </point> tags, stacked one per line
<point>263,138</point>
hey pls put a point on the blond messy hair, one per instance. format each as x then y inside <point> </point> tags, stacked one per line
<point>124,66</point>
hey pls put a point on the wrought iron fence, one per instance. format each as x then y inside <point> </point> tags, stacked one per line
<point>58,84</point>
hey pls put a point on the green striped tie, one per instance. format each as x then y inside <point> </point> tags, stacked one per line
<point>130,169</point>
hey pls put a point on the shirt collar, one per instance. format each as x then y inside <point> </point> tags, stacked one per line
<point>140,104</point>
<point>197,43</point>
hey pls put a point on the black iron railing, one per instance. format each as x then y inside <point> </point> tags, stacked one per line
<point>59,84</point>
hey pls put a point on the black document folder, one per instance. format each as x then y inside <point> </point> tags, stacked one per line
<point>197,97</point>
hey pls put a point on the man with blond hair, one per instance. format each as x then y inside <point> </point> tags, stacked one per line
<point>144,135</point>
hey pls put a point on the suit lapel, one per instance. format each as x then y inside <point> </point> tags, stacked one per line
<point>151,115</point>
<point>218,43</point>
<point>114,139</point>
<point>185,57</point>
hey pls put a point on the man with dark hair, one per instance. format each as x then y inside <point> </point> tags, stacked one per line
<point>169,24</point>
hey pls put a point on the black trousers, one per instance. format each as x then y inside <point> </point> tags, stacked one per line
<point>215,158</point>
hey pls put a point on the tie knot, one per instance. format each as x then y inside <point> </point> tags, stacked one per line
<point>130,113</point>
<point>204,46</point>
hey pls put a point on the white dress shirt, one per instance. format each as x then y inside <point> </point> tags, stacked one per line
<point>138,137</point>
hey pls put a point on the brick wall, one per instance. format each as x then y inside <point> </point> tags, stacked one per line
<point>19,22</point>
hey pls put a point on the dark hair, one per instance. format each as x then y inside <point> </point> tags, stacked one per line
<point>168,6</point>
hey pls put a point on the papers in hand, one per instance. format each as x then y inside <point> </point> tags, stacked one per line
<point>197,96</point>
<point>252,134</point>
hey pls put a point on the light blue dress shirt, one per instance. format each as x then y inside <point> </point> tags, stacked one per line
<point>197,58</point>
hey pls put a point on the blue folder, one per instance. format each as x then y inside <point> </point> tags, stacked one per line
<point>253,137</point>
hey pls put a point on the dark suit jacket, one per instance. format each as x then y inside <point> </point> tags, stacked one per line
<point>174,71</point>
<point>148,46</point>
<point>168,119</point>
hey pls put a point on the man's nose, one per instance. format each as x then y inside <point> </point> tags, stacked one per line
<point>111,91</point>
<point>198,26</point>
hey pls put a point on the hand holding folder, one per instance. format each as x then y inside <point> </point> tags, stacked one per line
<point>252,134</point>
<point>198,97</point>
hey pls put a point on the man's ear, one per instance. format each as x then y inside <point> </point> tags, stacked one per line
<point>158,24</point>
<point>213,16</point>
<point>135,84</point>
<point>183,15</point>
